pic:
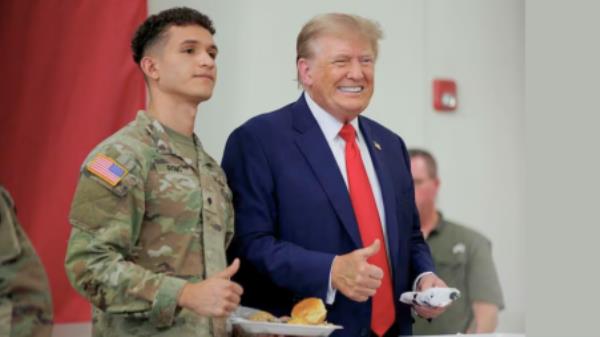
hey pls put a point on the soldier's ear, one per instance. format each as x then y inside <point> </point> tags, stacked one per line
<point>150,67</point>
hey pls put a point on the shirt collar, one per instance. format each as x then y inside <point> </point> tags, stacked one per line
<point>328,124</point>
<point>161,137</point>
<point>439,227</point>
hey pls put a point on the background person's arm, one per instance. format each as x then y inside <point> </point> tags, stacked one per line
<point>485,318</point>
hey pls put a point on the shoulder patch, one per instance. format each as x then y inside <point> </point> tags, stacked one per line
<point>106,169</point>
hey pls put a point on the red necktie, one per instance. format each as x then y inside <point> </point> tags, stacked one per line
<point>369,224</point>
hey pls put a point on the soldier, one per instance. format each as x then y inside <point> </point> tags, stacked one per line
<point>152,213</point>
<point>25,304</point>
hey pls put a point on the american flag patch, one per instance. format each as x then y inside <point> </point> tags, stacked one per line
<point>106,169</point>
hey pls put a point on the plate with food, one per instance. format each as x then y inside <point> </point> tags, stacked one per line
<point>307,319</point>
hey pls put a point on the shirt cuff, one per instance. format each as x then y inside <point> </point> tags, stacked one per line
<point>330,291</point>
<point>165,302</point>
<point>419,278</point>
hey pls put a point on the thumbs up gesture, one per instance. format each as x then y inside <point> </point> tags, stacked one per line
<point>217,296</point>
<point>228,272</point>
<point>354,276</point>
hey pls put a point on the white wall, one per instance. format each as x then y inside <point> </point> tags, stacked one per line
<point>479,43</point>
<point>480,148</point>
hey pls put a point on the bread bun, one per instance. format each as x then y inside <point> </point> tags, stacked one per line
<point>310,310</point>
<point>296,321</point>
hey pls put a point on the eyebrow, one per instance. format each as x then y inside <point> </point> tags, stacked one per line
<point>192,41</point>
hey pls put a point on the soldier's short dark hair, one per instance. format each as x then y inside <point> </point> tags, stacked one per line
<point>152,30</point>
<point>430,162</point>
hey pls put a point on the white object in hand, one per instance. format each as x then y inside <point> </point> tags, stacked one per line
<point>433,297</point>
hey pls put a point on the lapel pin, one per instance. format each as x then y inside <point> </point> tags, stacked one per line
<point>377,146</point>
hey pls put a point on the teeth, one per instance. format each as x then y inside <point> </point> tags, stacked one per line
<point>351,89</point>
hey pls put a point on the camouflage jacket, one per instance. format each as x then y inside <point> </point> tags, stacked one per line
<point>144,224</point>
<point>25,304</point>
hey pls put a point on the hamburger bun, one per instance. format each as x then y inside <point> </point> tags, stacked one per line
<point>310,311</point>
<point>296,321</point>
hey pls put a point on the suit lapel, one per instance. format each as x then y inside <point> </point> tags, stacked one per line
<point>387,188</point>
<point>313,145</point>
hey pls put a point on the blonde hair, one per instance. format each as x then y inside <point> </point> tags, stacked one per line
<point>336,24</point>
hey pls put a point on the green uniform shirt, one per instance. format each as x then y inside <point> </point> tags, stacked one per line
<point>463,259</point>
<point>25,302</point>
<point>164,217</point>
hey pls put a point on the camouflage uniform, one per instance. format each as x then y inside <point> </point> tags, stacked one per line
<point>134,245</point>
<point>25,305</point>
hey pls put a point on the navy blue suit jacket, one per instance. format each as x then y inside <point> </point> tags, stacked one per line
<point>293,214</point>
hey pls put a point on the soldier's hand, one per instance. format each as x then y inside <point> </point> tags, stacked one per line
<point>354,276</point>
<point>217,296</point>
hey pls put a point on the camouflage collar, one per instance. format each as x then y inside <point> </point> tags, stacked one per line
<point>161,138</point>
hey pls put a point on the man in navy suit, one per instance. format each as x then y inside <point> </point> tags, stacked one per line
<point>324,197</point>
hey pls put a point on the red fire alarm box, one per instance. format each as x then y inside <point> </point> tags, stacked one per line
<point>444,95</point>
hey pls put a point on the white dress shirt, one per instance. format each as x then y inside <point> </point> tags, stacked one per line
<point>331,127</point>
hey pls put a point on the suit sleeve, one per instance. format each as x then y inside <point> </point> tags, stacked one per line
<point>420,255</point>
<point>288,265</point>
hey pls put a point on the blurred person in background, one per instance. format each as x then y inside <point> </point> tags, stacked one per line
<point>25,301</point>
<point>462,256</point>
